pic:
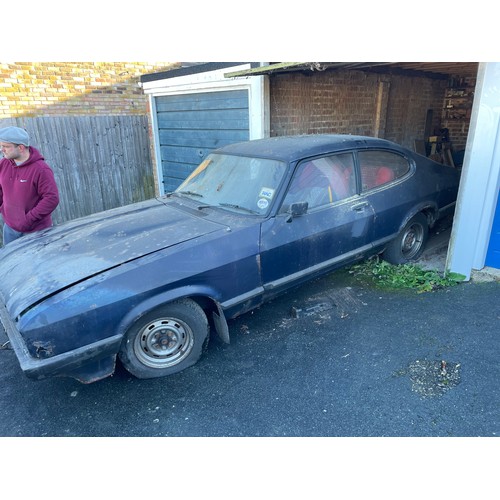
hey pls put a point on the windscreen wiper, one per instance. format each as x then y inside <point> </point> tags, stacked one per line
<point>189,193</point>
<point>239,207</point>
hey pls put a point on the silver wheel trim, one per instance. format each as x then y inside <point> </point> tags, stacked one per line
<point>412,241</point>
<point>163,342</point>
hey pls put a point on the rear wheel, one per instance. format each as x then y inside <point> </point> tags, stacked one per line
<point>410,242</point>
<point>166,340</point>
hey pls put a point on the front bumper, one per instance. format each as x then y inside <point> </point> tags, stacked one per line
<point>87,364</point>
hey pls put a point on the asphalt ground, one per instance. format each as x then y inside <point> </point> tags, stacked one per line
<point>334,358</point>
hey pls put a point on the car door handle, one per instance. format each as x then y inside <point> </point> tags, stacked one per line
<point>360,206</point>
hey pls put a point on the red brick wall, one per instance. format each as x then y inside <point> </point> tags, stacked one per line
<point>409,101</point>
<point>346,102</point>
<point>338,102</point>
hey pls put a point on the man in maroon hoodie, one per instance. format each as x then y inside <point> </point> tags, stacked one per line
<point>28,190</point>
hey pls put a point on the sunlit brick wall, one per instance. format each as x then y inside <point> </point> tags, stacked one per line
<point>74,88</point>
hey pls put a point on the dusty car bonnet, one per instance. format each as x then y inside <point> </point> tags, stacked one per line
<point>36,266</point>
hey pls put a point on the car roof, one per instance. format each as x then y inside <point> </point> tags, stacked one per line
<point>292,148</point>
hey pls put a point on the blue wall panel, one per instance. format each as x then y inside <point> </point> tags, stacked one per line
<point>493,254</point>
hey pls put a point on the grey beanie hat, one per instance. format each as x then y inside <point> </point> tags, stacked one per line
<point>15,135</point>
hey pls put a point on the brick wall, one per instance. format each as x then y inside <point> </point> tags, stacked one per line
<point>339,102</point>
<point>74,88</point>
<point>409,101</point>
<point>353,102</point>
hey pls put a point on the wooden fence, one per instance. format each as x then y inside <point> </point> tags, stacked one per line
<point>99,162</point>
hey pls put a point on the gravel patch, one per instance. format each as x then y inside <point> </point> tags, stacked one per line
<point>432,378</point>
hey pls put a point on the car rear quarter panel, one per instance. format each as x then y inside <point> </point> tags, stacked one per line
<point>428,188</point>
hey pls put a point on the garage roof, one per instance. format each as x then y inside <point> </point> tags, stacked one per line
<point>441,70</point>
<point>186,68</point>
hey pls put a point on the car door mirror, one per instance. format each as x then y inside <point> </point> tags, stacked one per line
<point>297,209</point>
<point>300,208</point>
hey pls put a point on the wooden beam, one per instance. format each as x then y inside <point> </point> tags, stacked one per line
<point>381,109</point>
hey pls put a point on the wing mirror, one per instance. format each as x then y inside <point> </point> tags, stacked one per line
<point>297,209</point>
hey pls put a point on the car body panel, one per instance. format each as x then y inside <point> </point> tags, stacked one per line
<point>97,243</point>
<point>100,302</point>
<point>70,293</point>
<point>290,249</point>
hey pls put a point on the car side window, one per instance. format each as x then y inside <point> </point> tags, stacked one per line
<point>322,181</point>
<point>381,167</point>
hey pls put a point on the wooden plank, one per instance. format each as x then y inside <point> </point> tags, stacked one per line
<point>428,124</point>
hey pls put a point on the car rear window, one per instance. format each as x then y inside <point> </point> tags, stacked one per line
<point>381,167</point>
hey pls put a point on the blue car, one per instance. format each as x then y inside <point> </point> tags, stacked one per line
<point>145,284</point>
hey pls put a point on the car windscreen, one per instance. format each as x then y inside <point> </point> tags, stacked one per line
<point>236,183</point>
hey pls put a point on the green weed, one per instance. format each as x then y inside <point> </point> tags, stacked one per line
<point>403,276</point>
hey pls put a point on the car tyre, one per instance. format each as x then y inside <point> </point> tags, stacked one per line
<point>165,340</point>
<point>410,243</point>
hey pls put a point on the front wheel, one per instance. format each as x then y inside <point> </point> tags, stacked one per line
<point>410,242</point>
<point>166,340</point>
